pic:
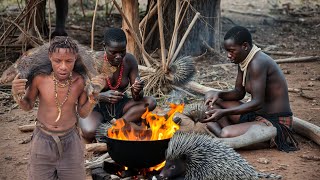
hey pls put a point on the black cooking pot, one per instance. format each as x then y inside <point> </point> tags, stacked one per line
<point>137,154</point>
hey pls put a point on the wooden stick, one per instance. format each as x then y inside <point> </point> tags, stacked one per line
<point>49,19</point>
<point>23,31</point>
<point>180,20</point>
<point>150,33</point>
<point>18,19</point>
<point>185,36</point>
<point>217,26</point>
<point>298,59</point>
<point>143,33</point>
<point>280,53</point>
<point>162,43</point>
<point>185,91</point>
<point>93,23</point>
<point>153,11</point>
<point>82,9</point>
<point>134,35</point>
<point>27,128</point>
<point>310,157</point>
<point>250,13</point>
<point>96,147</point>
<point>307,129</point>
<point>295,90</point>
<point>174,37</point>
<point>279,61</point>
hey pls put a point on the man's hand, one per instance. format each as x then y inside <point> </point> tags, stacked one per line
<point>111,96</point>
<point>210,98</point>
<point>18,86</point>
<point>137,85</point>
<point>213,115</point>
<point>99,81</point>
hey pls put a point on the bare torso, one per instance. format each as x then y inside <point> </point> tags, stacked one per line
<point>276,97</point>
<point>129,62</point>
<point>48,111</point>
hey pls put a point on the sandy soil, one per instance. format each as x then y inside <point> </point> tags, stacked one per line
<point>300,38</point>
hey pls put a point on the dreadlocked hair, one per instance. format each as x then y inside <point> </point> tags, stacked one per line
<point>239,34</point>
<point>114,35</point>
<point>41,62</point>
<point>63,42</point>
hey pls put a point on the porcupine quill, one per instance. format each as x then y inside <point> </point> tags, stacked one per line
<point>102,131</point>
<point>200,156</point>
<point>195,112</point>
<point>182,70</point>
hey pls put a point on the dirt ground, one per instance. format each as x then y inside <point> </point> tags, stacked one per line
<point>300,37</point>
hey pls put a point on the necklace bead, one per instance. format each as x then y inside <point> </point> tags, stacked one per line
<point>58,104</point>
<point>119,77</point>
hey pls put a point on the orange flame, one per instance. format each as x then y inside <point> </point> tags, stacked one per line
<point>153,127</point>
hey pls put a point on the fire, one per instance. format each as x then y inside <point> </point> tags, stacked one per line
<point>157,167</point>
<point>153,127</point>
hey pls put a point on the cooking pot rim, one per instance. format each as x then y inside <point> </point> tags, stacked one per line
<point>137,140</point>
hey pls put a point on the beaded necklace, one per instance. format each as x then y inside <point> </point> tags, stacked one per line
<point>56,83</point>
<point>119,77</point>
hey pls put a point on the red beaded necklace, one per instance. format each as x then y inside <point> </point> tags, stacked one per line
<point>119,78</point>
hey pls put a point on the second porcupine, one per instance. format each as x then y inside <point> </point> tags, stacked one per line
<point>199,156</point>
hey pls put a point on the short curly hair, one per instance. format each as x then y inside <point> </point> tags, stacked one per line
<point>114,35</point>
<point>239,34</point>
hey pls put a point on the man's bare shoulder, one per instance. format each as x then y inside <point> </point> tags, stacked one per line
<point>261,60</point>
<point>77,79</point>
<point>40,78</point>
<point>130,59</point>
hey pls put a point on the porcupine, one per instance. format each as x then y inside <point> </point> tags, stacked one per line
<point>182,70</point>
<point>198,156</point>
<point>195,112</point>
<point>36,61</point>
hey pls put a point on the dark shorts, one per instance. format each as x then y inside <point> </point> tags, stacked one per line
<point>282,118</point>
<point>110,111</point>
<point>47,163</point>
<point>282,121</point>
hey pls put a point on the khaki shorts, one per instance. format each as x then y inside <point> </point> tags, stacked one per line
<point>46,162</point>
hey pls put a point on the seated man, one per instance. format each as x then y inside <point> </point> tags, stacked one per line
<point>113,101</point>
<point>260,76</point>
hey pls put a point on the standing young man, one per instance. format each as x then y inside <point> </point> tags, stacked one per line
<point>259,76</point>
<point>56,149</point>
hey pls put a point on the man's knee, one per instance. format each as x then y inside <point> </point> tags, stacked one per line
<point>88,135</point>
<point>89,125</point>
<point>226,133</point>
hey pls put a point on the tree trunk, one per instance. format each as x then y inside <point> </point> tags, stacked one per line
<point>131,10</point>
<point>203,30</point>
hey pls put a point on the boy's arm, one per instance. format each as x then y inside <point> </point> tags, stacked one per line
<point>29,95</point>
<point>86,104</point>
